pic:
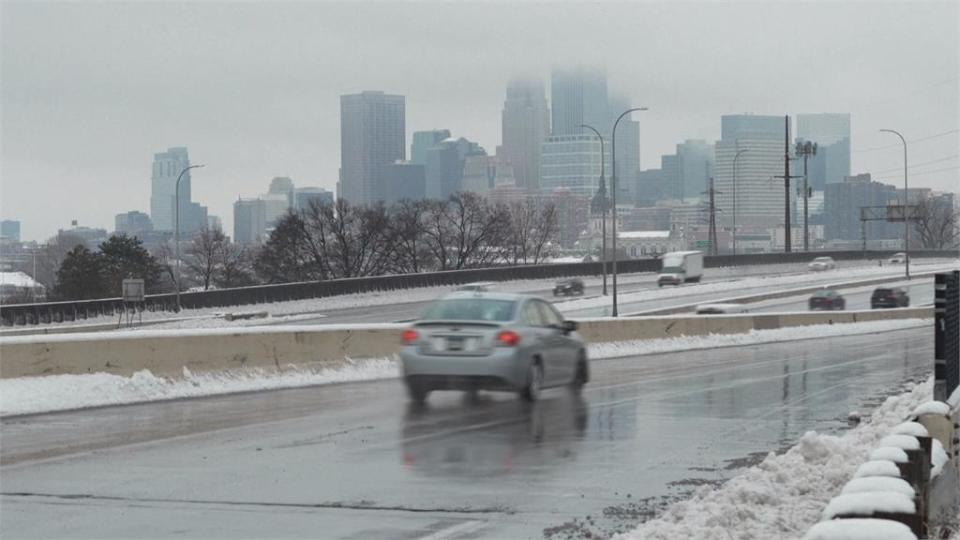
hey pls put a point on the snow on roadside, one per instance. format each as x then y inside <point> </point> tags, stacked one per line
<point>785,494</point>
<point>61,392</point>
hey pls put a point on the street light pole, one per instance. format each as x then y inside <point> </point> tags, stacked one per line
<point>613,187</point>
<point>906,202</point>
<point>735,158</point>
<point>602,194</point>
<point>176,229</point>
<point>806,149</point>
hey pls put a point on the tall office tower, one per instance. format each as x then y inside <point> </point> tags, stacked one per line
<point>578,96</point>
<point>444,168</point>
<point>406,181</point>
<point>759,194</point>
<point>525,125</point>
<point>628,148</point>
<point>425,140</point>
<point>249,221</point>
<point>282,185</point>
<point>167,166</point>
<point>10,230</point>
<point>372,136</point>
<point>132,223</point>
<point>842,204</point>
<point>572,162</point>
<point>831,132</point>
<point>694,169</point>
<point>303,197</point>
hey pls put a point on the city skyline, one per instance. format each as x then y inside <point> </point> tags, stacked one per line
<point>101,132</point>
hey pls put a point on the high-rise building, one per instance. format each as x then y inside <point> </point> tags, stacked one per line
<point>842,204</point>
<point>628,148</point>
<point>167,167</point>
<point>214,222</point>
<point>425,140</point>
<point>573,162</point>
<point>406,181</point>
<point>831,132</point>
<point>10,230</point>
<point>372,136</point>
<point>578,96</point>
<point>282,185</point>
<point>249,221</point>
<point>132,223</point>
<point>303,197</point>
<point>525,125</point>
<point>694,169</point>
<point>444,167</point>
<point>759,194</point>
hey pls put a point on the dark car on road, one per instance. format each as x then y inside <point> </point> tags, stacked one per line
<point>827,300</point>
<point>568,287</point>
<point>894,297</point>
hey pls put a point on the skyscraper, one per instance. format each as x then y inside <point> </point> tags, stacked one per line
<point>831,132</point>
<point>578,96</point>
<point>759,195</point>
<point>525,124</point>
<point>372,136</point>
<point>444,168</point>
<point>694,169</point>
<point>425,140</point>
<point>167,166</point>
<point>572,162</point>
<point>249,221</point>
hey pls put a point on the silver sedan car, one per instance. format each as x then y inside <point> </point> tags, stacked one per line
<point>492,341</point>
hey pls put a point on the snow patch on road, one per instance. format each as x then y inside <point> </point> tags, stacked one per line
<point>783,496</point>
<point>28,395</point>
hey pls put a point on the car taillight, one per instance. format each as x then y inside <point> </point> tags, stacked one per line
<point>508,338</point>
<point>408,336</point>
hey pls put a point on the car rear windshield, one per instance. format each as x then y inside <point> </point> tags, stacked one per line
<point>470,309</point>
<point>823,294</point>
<point>821,259</point>
<point>882,292</point>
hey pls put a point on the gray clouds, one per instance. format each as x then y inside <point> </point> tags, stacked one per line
<point>91,90</point>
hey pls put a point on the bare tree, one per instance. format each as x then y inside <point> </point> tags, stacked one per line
<point>51,256</point>
<point>407,233</point>
<point>533,226</point>
<point>203,254</point>
<point>935,222</point>
<point>464,231</point>
<point>166,260</point>
<point>234,266</point>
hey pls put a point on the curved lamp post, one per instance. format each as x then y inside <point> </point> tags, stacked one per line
<point>176,230</point>
<point>613,188</point>
<point>906,202</point>
<point>602,193</point>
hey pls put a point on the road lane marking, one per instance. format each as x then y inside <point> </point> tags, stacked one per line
<point>456,530</point>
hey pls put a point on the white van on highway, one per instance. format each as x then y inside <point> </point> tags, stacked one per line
<point>679,267</point>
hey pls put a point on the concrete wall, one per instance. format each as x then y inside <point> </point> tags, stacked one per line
<point>167,353</point>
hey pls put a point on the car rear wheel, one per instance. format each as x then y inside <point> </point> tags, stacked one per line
<point>581,377</point>
<point>534,383</point>
<point>417,393</point>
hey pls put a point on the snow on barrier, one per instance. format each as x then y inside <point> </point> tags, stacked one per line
<point>907,489</point>
<point>167,353</point>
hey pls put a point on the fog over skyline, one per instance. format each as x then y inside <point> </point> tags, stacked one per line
<point>90,91</point>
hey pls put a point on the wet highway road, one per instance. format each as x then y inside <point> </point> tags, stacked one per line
<point>354,461</point>
<point>919,289</point>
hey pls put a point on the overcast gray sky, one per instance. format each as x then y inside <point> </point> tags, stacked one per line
<point>90,90</point>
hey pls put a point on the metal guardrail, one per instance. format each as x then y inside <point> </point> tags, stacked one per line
<point>49,312</point>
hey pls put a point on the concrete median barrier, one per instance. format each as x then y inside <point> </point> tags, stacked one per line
<point>168,353</point>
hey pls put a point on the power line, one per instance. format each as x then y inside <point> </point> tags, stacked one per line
<point>912,166</point>
<point>914,141</point>
<point>935,171</point>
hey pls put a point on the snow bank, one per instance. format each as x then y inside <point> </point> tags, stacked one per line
<point>754,337</point>
<point>910,428</point>
<point>868,503</point>
<point>877,467</point>
<point>889,453</point>
<point>783,496</point>
<point>907,442</point>
<point>62,392</point>
<point>932,407</point>
<point>938,458</point>
<point>860,529</point>
<point>879,483</point>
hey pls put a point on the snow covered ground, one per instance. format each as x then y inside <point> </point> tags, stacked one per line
<point>785,494</point>
<point>62,392</point>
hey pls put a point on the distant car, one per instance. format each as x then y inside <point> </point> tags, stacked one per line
<point>492,341</point>
<point>884,297</point>
<point>827,300</point>
<point>898,258</point>
<point>568,287</point>
<point>720,309</point>
<point>822,263</point>
<point>479,286</point>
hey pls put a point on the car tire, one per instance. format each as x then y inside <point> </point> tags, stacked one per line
<point>581,376</point>
<point>531,392</point>
<point>417,393</point>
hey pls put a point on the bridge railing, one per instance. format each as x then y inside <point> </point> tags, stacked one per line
<point>50,312</point>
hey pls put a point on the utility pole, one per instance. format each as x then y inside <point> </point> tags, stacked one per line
<point>712,231</point>
<point>806,149</point>
<point>786,185</point>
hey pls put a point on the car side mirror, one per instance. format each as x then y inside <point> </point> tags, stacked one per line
<point>570,326</point>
